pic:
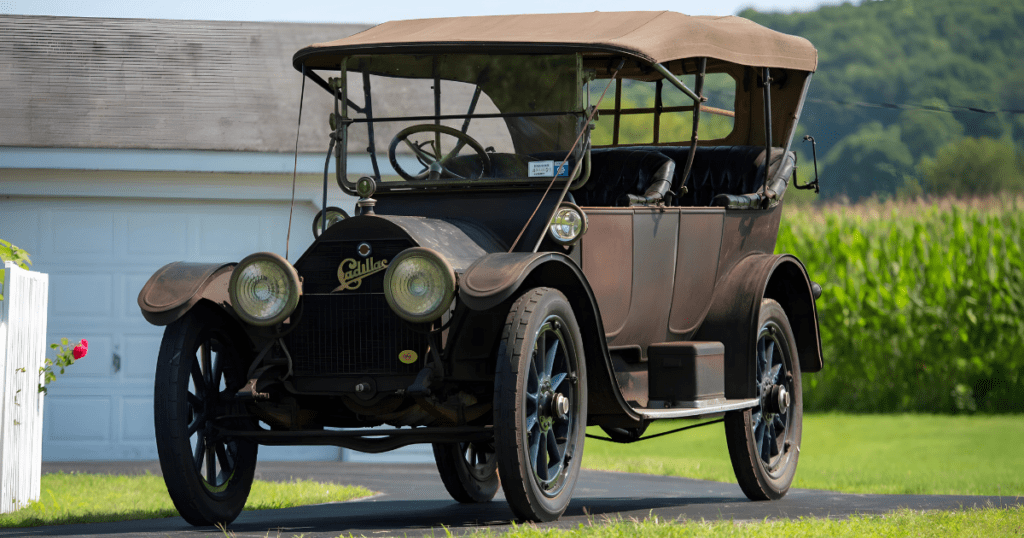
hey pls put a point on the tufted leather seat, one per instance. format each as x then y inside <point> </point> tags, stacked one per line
<point>716,170</point>
<point>616,172</point>
<point>719,170</point>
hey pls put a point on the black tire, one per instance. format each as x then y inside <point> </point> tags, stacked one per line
<point>208,478</point>
<point>764,442</point>
<point>469,470</point>
<point>531,406</point>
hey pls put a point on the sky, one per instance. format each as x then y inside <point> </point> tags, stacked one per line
<point>362,11</point>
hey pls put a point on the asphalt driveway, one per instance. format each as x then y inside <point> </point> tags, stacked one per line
<point>413,502</point>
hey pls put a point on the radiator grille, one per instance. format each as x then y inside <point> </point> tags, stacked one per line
<point>352,333</point>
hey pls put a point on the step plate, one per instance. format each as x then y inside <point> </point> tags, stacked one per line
<point>697,409</point>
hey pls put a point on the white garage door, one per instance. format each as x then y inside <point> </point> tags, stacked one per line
<point>99,252</point>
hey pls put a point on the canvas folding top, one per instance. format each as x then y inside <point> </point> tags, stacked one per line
<point>653,36</point>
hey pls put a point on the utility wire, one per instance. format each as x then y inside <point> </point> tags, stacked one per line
<point>902,106</point>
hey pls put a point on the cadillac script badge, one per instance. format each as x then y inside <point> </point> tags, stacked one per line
<point>351,272</point>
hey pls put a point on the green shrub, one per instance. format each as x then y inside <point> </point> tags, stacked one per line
<point>973,167</point>
<point>922,307</point>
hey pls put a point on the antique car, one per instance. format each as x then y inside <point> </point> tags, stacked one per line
<point>570,222</point>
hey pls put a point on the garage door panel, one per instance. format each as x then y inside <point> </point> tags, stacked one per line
<point>22,227</point>
<point>81,295</point>
<point>158,235</point>
<point>224,236</point>
<point>140,353</point>
<point>79,232</point>
<point>133,283</point>
<point>274,232</point>
<point>76,419</point>
<point>137,416</point>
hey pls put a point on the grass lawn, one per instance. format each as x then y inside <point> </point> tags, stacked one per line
<point>962,524</point>
<point>91,498</point>
<point>926,454</point>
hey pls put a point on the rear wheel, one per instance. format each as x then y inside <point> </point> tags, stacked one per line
<point>540,405</point>
<point>201,365</point>
<point>469,470</point>
<point>764,442</point>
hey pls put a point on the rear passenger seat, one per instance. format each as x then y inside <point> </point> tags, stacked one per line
<point>716,170</point>
<point>616,172</point>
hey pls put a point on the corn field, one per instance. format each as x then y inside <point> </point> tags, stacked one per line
<point>922,306</point>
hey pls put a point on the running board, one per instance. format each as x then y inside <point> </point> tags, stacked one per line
<point>696,409</point>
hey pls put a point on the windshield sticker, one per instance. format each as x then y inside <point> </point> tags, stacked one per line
<point>547,168</point>
<point>351,272</point>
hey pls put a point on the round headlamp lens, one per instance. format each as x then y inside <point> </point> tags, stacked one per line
<point>334,216</point>
<point>419,285</point>
<point>568,224</point>
<point>264,289</point>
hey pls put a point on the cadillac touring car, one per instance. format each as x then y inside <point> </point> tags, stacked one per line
<point>570,222</point>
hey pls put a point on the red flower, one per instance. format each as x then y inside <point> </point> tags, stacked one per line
<point>80,350</point>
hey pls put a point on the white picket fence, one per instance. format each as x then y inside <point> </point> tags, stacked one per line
<point>22,352</point>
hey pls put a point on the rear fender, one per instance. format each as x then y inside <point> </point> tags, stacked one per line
<point>791,287</point>
<point>176,287</point>
<point>736,308</point>
<point>496,278</point>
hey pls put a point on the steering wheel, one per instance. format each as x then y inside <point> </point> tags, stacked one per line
<point>430,156</point>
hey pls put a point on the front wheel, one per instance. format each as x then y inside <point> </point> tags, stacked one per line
<point>201,365</point>
<point>540,405</point>
<point>764,442</point>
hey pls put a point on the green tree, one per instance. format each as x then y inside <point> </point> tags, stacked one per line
<point>908,52</point>
<point>874,159</point>
<point>1012,98</point>
<point>925,131</point>
<point>973,167</point>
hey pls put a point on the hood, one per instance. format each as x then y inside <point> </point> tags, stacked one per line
<point>356,251</point>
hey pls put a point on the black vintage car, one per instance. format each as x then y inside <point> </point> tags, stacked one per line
<point>573,226</point>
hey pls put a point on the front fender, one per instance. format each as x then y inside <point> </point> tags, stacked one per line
<point>177,287</point>
<point>736,308</point>
<point>493,278</point>
<point>496,278</point>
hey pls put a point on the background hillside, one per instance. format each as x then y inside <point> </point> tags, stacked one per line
<point>914,97</point>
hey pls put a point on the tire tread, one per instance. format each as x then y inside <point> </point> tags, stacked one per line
<point>745,461</point>
<point>516,485</point>
<point>177,466</point>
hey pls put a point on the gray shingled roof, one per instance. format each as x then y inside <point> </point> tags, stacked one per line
<point>159,84</point>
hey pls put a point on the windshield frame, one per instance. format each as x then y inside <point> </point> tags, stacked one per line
<point>342,119</point>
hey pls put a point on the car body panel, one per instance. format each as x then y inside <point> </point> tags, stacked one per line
<point>673,252</point>
<point>735,309</point>
<point>700,243</point>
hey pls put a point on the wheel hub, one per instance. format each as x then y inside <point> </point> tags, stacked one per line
<point>560,407</point>
<point>553,408</point>
<point>776,400</point>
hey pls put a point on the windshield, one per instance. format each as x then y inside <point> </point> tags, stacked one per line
<point>451,119</point>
